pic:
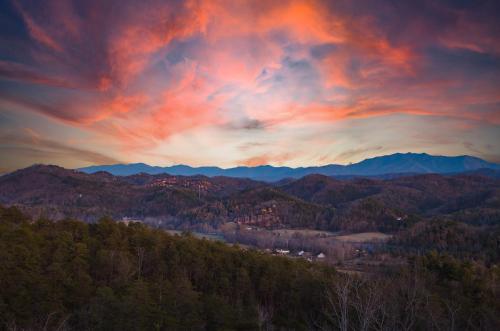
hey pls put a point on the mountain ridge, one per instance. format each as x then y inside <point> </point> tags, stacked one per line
<point>397,163</point>
<point>207,203</point>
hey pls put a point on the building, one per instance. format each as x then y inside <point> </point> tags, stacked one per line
<point>128,220</point>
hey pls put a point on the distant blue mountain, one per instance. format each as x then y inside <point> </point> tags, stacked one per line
<point>398,163</point>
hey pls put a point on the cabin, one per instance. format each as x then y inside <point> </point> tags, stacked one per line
<point>128,220</point>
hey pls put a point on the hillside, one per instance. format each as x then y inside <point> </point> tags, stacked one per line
<point>206,203</point>
<point>70,275</point>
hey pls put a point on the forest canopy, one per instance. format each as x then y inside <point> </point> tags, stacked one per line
<point>70,275</point>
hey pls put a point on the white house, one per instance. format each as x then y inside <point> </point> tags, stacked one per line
<point>128,220</point>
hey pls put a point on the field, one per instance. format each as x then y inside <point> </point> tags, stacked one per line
<point>364,237</point>
<point>305,232</point>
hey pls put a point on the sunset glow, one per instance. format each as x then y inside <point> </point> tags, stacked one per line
<point>229,83</point>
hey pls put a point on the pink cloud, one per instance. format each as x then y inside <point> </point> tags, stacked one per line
<point>266,159</point>
<point>37,32</point>
<point>142,73</point>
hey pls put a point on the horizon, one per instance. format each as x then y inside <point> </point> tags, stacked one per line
<point>276,166</point>
<point>243,166</point>
<point>293,83</point>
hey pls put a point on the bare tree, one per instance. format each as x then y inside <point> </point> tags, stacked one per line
<point>338,298</point>
<point>265,317</point>
<point>452,308</point>
<point>366,302</point>
<point>47,320</point>
<point>62,324</point>
<point>412,293</point>
<point>140,259</point>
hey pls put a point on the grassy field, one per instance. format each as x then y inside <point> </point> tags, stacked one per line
<point>305,232</point>
<point>364,237</point>
<point>354,237</point>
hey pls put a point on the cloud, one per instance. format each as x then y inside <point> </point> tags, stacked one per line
<point>74,109</point>
<point>250,145</point>
<point>354,153</point>
<point>34,145</point>
<point>246,124</point>
<point>36,31</point>
<point>19,72</point>
<point>143,73</point>
<point>258,160</point>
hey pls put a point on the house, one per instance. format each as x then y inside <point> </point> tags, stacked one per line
<point>300,253</point>
<point>321,256</point>
<point>128,220</point>
<point>282,251</point>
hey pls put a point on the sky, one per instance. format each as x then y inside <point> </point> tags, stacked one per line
<point>228,83</point>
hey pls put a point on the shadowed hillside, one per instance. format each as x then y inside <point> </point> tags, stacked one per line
<point>314,201</point>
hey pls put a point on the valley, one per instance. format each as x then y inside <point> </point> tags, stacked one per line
<point>351,219</point>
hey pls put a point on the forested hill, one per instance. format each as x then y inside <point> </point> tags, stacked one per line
<point>71,275</point>
<point>206,203</point>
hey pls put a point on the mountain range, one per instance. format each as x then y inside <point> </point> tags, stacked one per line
<point>208,203</point>
<point>399,163</point>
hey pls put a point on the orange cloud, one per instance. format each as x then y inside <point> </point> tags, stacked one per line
<point>142,73</point>
<point>265,159</point>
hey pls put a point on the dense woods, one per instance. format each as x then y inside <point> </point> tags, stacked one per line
<point>454,238</point>
<point>69,275</point>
